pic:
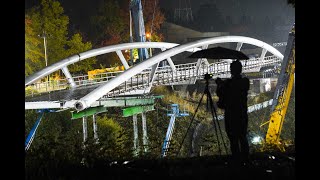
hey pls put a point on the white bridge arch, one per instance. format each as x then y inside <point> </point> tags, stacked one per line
<point>175,49</point>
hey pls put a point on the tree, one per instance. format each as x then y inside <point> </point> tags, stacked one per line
<point>108,28</point>
<point>111,24</point>
<point>75,45</point>
<point>153,18</point>
<point>48,19</point>
<point>107,24</point>
<point>33,53</point>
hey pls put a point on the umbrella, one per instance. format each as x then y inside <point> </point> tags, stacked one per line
<point>219,53</point>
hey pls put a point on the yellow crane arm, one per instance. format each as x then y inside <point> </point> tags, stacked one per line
<point>282,94</point>
<point>279,113</point>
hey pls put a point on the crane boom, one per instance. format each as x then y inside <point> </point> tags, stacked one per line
<point>282,93</point>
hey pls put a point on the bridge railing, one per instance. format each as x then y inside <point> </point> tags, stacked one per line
<point>140,81</point>
<point>61,84</point>
<point>163,76</point>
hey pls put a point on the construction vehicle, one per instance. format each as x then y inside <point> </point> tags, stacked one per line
<point>282,96</point>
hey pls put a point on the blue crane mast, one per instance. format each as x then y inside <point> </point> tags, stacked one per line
<point>173,113</point>
<point>139,30</point>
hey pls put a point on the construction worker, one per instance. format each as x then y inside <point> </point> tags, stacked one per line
<point>232,95</point>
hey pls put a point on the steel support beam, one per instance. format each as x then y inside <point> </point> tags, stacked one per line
<point>239,45</point>
<point>66,72</point>
<point>205,60</point>
<point>152,74</point>
<point>199,61</point>
<point>263,54</point>
<point>144,132</point>
<point>136,110</point>
<point>135,136</point>
<point>173,67</point>
<point>85,129</point>
<point>122,59</point>
<point>115,102</point>
<point>95,128</point>
<point>88,112</point>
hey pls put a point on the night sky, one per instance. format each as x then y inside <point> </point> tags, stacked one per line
<point>237,7</point>
<point>80,11</point>
<point>227,7</point>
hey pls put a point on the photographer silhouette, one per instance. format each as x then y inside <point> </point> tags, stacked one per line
<point>232,95</point>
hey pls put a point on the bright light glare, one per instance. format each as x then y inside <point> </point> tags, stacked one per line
<point>256,140</point>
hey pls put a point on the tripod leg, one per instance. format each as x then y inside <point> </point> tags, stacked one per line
<point>214,122</point>
<point>215,118</point>
<point>195,112</point>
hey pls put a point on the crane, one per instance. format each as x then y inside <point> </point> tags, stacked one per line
<point>173,113</point>
<point>282,94</point>
<point>139,30</point>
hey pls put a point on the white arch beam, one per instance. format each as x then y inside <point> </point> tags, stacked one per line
<point>87,100</point>
<point>96,52</point>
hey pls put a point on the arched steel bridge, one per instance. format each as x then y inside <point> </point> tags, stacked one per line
<point>84,92</point>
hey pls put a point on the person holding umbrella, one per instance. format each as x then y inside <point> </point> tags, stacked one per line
<point>232,95</point>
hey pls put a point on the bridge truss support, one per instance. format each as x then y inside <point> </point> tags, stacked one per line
<point>95,128</point>
<point>135,136</point>
<point>144,132</point>
<point>68,76</point>
<point>89,99</point>
<point>85,129</point>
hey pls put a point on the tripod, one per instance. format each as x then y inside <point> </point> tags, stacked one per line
<point>209,105</point>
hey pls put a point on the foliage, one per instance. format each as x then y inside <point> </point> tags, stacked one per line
<point>76,45</point>
<point>110,25</point>
<point>153,18</point>
<point>30,91</point>
<point>48,19</point>
<point>107,24</point>
<point>258,123</point>
<point>58,141</point>
<point>33,52</point>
